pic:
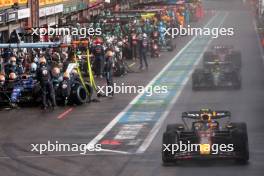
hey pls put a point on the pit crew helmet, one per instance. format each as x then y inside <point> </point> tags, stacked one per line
<point>98,41</point>
<point>109,53</point>
<point>75,72</point>
<point>12,76</point>
<point>42,60</point>
<point>66,75</point>
<point>13,60</point>
<point>55,71</point>
<point>33,67</point>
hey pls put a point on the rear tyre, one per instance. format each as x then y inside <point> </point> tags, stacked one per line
<point>240,139</point>
<point>79,95</point>
<point>236,59</point>
<point>119,69</point>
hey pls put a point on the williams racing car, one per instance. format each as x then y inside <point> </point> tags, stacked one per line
<point>216,75</point>
<point>206,134</point>
<point>18,90</point>
<point>26,89</point>
<point>223,53</point>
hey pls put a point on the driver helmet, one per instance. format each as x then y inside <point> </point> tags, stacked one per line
<point>206,115</point>
<point>217,66</point>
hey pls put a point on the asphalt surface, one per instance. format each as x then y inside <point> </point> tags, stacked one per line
<point>22,127</point>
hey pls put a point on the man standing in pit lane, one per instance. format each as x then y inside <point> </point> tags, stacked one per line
<point>134,43</point>
<point>44,76</point>
<point>98,52</point>
<point>108,68</point>
<point>143,48</point>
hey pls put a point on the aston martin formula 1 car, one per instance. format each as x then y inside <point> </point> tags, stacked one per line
<point>223,53</point>
<point>216,75</point>
<point>205,134</point>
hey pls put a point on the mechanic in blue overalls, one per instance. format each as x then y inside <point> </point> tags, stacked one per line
<point>44,76</point>
<point>162,30</point>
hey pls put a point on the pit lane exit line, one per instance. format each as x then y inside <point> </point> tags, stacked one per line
<point>121,117</point>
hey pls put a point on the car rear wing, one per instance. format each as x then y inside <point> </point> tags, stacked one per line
<point>217,62</point>
<point>196,115</point>
<point>222,46</point>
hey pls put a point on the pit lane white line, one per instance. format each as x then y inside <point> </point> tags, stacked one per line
<point>158,124</point>
<point>107,152</point>
<point>259,40</point>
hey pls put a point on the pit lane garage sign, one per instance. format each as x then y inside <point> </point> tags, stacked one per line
<point>12,16</point>
<point>2,18</point>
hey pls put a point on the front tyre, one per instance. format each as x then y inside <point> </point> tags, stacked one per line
<point>169,138</point>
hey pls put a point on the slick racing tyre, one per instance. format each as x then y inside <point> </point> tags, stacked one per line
<point>235,58</point>
<point>237,80</point>
<point>119,69</point>
<point>240,140</point>
<point>170,45</point>
<point>79,95</point>
<point>169,138</point>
